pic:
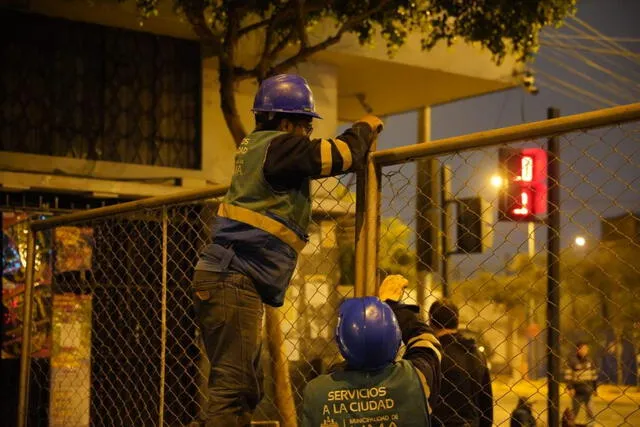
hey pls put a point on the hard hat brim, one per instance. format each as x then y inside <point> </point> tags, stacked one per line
<point>279,110</point>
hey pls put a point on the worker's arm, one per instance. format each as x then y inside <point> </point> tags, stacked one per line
<point>291,158</point>
<point>423,349</point>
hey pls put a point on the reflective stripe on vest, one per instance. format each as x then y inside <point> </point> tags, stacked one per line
<point>262,222</point>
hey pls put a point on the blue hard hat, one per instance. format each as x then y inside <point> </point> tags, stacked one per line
<point>368,334</point>
<point>285,93</point>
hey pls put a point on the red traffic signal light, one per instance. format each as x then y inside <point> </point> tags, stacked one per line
<point>523,197</point>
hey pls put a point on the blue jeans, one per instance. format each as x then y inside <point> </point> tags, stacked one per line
<point>229,314</point>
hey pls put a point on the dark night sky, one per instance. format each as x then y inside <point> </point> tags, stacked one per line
<point>600,169</point>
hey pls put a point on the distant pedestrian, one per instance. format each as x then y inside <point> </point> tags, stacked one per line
<point>581,377</point>
<point>522,415</point>
<point>465,393</point>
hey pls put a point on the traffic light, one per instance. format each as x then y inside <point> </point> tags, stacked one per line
<point>523,196</point>
<point>474,225</point>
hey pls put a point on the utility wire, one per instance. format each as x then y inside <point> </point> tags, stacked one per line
<point>569,93</point>
<point>589,62</point>
<point>628,81</point>
<point>589,38</point>
<point>607,59</point>
<point>604,37</point>
<point>578,89</point>
<point>592,49</point>
<point>612,90</point>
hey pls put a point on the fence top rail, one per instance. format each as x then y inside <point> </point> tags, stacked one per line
<point>540,129</point>
<point>148,203</point>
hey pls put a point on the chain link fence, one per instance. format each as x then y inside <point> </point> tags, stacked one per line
<point>125,350</point>
<point>124,347</point>
<point>440,226</point>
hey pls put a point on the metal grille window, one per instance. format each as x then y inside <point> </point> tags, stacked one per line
<point>98,93</point>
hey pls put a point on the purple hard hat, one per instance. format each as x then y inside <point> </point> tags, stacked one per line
<point>285,93</point>
<point>367,334</point>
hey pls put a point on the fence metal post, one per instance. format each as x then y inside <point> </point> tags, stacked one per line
<point>372,225</point>
<point>553,278</point>
<point>360,270</point>
<point>445,223</point>
<point>360,288</point>
<point>163,327</point>
<point>25,352</point>
<point>428,241</point>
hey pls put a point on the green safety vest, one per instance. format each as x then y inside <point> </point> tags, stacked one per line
<point>250,197</point>
<point>391,397</point>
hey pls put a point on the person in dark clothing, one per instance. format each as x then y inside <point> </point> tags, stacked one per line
<point>372,388</point>
<point>466,398</point>
<point>260,229</point>
<point>581,376</point>
<point>522,415</point>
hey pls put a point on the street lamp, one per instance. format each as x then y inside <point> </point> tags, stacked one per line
<point>580,241</point>
<point>496,181</point>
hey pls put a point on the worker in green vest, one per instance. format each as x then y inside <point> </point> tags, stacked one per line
<point>373,388</point>
<point>260,229</point>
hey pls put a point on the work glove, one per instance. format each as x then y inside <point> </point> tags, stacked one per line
<point>392,288</point>
<point>374,123</point>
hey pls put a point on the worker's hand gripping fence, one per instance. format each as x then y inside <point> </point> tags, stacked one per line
<point>124,348</point>
<point>502,290</point>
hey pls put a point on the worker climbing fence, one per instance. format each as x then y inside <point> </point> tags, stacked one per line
<point>124,349</point>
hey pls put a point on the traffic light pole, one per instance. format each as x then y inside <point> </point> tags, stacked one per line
<point>553,277</point>
<point>445,193</point>
<point>428,244</point>
<point>531,240</point>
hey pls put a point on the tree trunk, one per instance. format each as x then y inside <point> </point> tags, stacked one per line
<point>228,103</point>
<point>280,369</point>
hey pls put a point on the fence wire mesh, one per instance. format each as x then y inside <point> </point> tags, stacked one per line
<point>124,347</point>
<point>502,292</point>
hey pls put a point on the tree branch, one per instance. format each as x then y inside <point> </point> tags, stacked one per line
<point>261,68</point>
<point>281,44</point>
<point>302,33</point>
<point>282,17</point>
<point>254,26</point>
<point>305,52</point>
<point>227,79</point>
<point>242,73</point>
<point>195,14</point>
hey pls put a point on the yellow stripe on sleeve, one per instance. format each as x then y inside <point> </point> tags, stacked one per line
<point>345,152</point>
<point>326,159</point>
